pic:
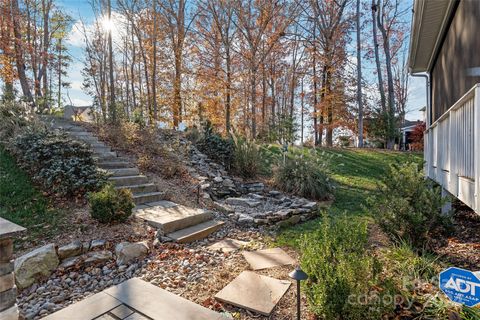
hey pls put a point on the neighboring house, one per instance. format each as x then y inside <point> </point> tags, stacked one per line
<point>78,113</point>
<point>405,133</point>
<point>445,47</point>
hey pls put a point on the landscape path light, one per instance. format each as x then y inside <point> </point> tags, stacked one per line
<point>298,275</point>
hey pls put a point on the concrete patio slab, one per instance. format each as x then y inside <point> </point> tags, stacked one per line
<point>228,245</point>
<point>122,311</point>
<point>135,299</point>
<point>87,309</point>
<point>254,292</point>
<point>267,258</point>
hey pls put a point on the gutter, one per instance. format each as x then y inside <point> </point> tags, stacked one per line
<point>426,75</point>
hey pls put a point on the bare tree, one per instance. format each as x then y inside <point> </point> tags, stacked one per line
<point>359,79</point>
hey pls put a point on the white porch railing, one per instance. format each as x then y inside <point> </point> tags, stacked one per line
<point>452,146</point>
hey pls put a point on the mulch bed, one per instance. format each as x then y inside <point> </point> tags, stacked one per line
<point>461,247</point>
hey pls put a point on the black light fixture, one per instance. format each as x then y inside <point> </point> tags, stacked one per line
<point>298,275</point>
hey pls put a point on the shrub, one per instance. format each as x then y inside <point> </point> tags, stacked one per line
<point>408,206</point>
<point>61,165</point>
<point>110,204</point>
<point>248,159</point>
<point>216,147</point>
<point>14,116</point>
<point>339,267</point>
<point>305,173</point>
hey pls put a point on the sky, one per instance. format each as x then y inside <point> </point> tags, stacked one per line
<point>81,9</point>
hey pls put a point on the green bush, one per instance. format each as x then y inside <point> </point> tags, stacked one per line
<point>61,165</point>
<point>408,206</point>
<point>216,147</point>
<point>110,204</point>
<point>305,173</point>
<point>340,270</point>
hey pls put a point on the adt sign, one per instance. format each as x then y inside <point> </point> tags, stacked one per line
<point>461,286</point>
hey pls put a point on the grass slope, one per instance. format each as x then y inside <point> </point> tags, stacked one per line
<point>356,173</point>
<point>23,204</point>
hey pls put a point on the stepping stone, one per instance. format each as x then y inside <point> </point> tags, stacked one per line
<point>228,245</point>
<point>254,292</point>
<point>169,217</point>
<point>267,258</point>
<point>135,299</point>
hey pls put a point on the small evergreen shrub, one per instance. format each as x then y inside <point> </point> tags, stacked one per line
<point>110,204</point>
<point>340,270</point>
<point>408,206</point>
<point>61,165</point>
<point>305,173</point>
<point>216,147</point>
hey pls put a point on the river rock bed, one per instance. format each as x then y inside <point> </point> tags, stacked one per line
<point>171,266</point>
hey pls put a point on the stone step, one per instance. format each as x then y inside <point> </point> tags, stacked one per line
<point>99,144</point>
<point>73,128</point>
<point>105,154</point>
<point>141,188</point>
<point>102,157</point>
<point>121,163</point>
<point>141,198</point>
<point>80,133</point>
<point>128,181</point>
<point>196,232</point>
<point>100,149</point>
<point>87,139</point>
<point>169,217</point>
<point>124,172</point>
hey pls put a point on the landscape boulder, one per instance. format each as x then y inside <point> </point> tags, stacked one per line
<point>70,250</point>
<point>35,265</point>
<point>95,257</point>
<point>127,251</point>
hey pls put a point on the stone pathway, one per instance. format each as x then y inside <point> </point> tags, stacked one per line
<point>254,292</point>
<point>179,223</point>
<point>135,299</point>
<point>267,258</point>
<point>228,245</point>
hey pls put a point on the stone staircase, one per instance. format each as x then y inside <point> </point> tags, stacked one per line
<point>180,223</point>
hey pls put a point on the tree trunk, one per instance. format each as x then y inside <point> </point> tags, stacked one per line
<point>391,90</point>
<point>381,88</point>
<point>264,96</point>
<point>317,136</point>
<point>59,73</point>
<point>253,95</point>
<point>177,88</point>
<point>19,53</point>
<point>328,91</point>
<point>113,108</point>
<point>154,62</point>
<point>272,94</point>
<point>359,80</point>
<point>228,91</point>
<point>302,105</point>
<point>46,44</point>
<point>132,73</point>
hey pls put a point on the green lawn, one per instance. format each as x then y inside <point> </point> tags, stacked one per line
<point>23,204</point>
<point>356,173</point>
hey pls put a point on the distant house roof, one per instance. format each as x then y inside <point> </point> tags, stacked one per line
<point>77,107</point>
<point>430,22</point>
<point>409,125</point>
